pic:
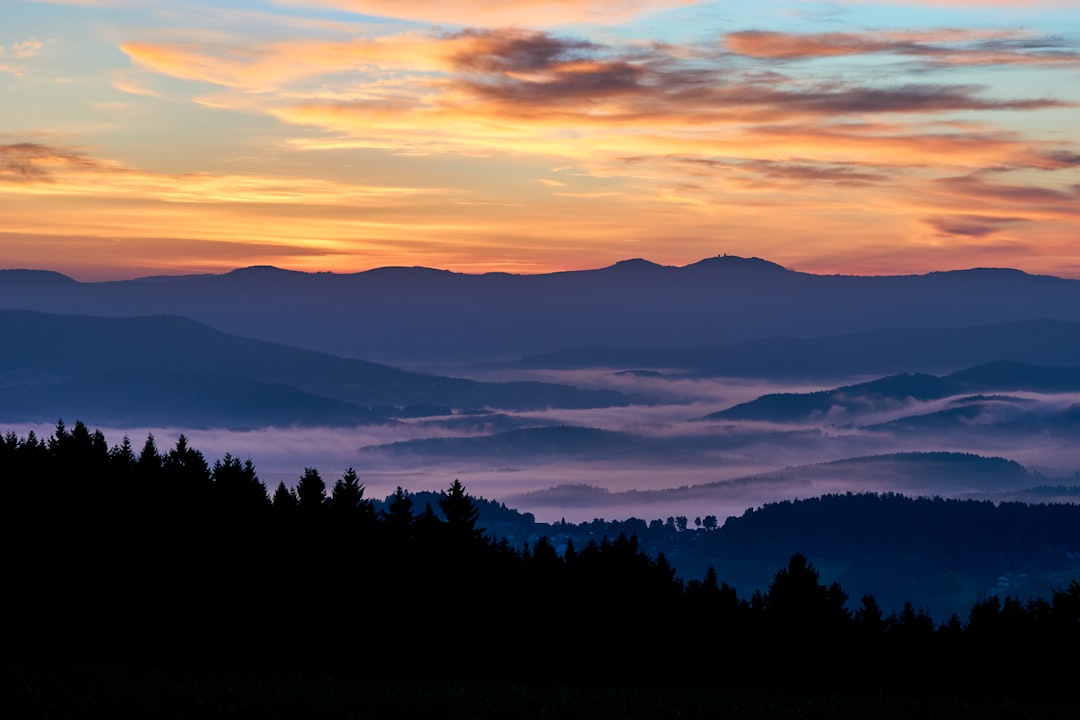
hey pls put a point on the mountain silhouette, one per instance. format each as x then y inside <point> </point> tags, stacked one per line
<point>128,398</point>
<point>53,365</point>
<point>435,316</point>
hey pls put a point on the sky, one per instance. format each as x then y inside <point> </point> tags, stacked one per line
<point>143,137</point>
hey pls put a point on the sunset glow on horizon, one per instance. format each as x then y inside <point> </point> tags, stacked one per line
<point>167,137</point>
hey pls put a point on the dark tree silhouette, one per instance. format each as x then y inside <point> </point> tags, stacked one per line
<point>311,490</point>
<point>347,495</point>
<point>237,486</point>
<point>284,499</point>
<point>144,569</point>
<point>461,513</point>
<point>187,476</point>
<point>122,468</point>
<point>868,618</point>
<point>149,463</point>
<point>122,459</point>
<point>797,600</point>
<point>398,515</point>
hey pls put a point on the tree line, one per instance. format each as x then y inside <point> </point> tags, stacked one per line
<point>119,555</point>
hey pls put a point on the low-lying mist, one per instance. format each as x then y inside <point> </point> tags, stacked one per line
<point>659,457</point>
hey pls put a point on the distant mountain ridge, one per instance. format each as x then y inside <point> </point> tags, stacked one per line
<point>434,316</point>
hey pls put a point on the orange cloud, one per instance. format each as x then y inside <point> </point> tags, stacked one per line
<point>524,92</point>
<point>693,145</point>
<point>126,84</point>
<point>39,169</point>
<point>115,215</point>
<point>501,13</point>
<point>274,65</point>
<point>652,141</point>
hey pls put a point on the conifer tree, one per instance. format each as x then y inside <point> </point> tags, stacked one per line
<point>284,499</point>
<point>460,512</point>
<point>237,486</point>
<point>348,493</point>
<point>311,490</point>
<point>122,459</point>
<point>149,460</point>
<point>398,515</point>
<point>186,476</point>
<point>59,438</point>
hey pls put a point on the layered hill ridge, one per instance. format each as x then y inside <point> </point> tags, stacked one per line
<point>164,369</point>
<point>430,316</point>
<point>950,472</point>
<point>896,390</point>
<point>871,352</point>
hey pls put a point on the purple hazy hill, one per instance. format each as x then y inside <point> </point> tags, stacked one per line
<point>427,316</point>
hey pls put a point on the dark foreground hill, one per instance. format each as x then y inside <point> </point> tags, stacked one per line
<point>161,561</point>
<point>434,316</point>
<point>942,554</point>
<point>174,371</point>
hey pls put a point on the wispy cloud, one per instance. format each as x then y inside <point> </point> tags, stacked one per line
<point>12,56</point>
<point>41,168</point>
<point>806,146</point>
<point>543,13</point>
<point>37,162</point>
<point>1014,4</point>
<point>130,206</point>
<point>938,47</point>
<point>522,91</point>
<point>975,226</point>
<point>1030,199</point>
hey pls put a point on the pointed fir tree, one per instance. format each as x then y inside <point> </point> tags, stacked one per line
<point>284,499</point>
<point>149,460</point>
<point>461,513</point>
<point>311,491</point>
<point>187,476</point>
<point>122,460</point>
<point>348,493</point>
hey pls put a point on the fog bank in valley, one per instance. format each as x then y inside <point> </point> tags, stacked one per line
<point>660,445</point>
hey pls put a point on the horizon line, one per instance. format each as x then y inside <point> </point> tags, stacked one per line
<point>164,276</point>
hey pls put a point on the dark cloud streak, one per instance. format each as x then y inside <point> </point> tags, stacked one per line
<point>1025,195</point>
<point>933,48</point>
<point>843,174</point>
<point>34,162</point>
<point>539,74</point>
<point>976,226</point>
<point>516,51</point>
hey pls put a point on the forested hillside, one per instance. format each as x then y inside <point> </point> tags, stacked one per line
<point>159,556</point>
